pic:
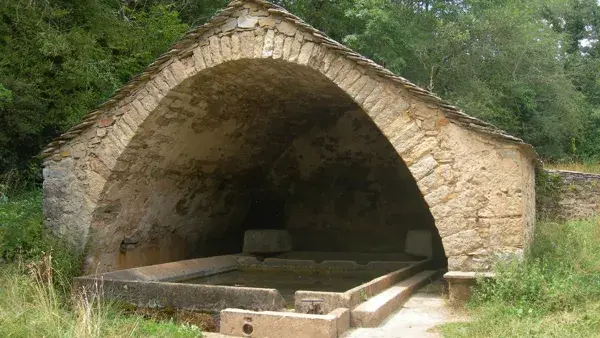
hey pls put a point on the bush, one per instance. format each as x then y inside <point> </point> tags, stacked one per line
<point>561,271</point>
<point>24,237</point>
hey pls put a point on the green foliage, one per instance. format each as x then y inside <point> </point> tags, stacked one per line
<point>561,271</point>
<point>24,237</point>
<point>559,279</point>
<point>31,307</point>
<point>496,320</point>
<point>530,67</point>
<point>497,60</point>
<point>60,59</point>
<point>548,191</point>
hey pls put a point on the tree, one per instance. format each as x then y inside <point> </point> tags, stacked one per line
<point>60,59</point>
<point>498,60</point>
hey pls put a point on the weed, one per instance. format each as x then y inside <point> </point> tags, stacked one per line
<point>363,296</point>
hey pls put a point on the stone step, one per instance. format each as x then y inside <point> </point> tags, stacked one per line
<point>372,312</point>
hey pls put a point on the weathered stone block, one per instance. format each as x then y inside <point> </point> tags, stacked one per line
<point>277,324</point>
<point>462,243</point>
<point>287,28</point>
<point>305,53</point>
<point>423,167</point>
<point>247,21</point>
<point>267,241</point>
<point>229,25</point>
<point>226,48</point>
<point>505,232</point>
<point>419,243</point>
<point>269,44</point>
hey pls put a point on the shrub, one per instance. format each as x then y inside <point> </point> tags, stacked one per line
<point>23,236</point>
<point>553,292</point>
<point>561,271</point>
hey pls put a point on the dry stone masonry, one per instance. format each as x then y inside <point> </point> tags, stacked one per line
<point>576,195</point>
<point>256,120</point>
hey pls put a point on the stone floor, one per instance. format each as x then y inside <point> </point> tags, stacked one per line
<point>425,310</point>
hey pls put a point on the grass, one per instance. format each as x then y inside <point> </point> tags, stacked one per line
<point>586,167</point>
<point>32,306</point>
<point>553,292</point>
<point>36,299</point>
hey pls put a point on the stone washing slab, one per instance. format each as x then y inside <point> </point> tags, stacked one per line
<point>267,241</point>
<point>372,312</point>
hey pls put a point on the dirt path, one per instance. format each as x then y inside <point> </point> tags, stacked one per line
<point>418,318</point>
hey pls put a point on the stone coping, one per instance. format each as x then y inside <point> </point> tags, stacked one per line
<point>353,297</point>
<point>236,322</point>
<point>574,175</point>
<point>282,264</point>
<point>154,286</point>
<point>194,297</point>
<point>199,267</point>
<point>468,275</point>
<point>175,271</point>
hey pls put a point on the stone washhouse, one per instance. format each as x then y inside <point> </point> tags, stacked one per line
<point>256,120</point>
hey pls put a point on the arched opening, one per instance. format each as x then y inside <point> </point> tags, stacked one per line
<point>258,144</point>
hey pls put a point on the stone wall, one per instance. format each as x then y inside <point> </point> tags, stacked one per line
<point>575,195</point>
<point>173,166</point>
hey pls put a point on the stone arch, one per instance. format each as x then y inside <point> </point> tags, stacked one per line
<point>454,167</point>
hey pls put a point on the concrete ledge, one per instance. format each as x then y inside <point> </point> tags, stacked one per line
<point>379,284</point>
<point>343,319</point>
<point>351,298</point>
<point>359,257</point>
<point>340,265</point>
<point>372,312</point>
<point>460,284</point>
<point>388,266</point>
<point>235,322</point>
<point>330,300</point>
<point>208,298</point>
<point>176,271</point>
<point>296,263</point>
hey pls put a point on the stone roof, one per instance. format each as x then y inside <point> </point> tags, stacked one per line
<point>183,48</point>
